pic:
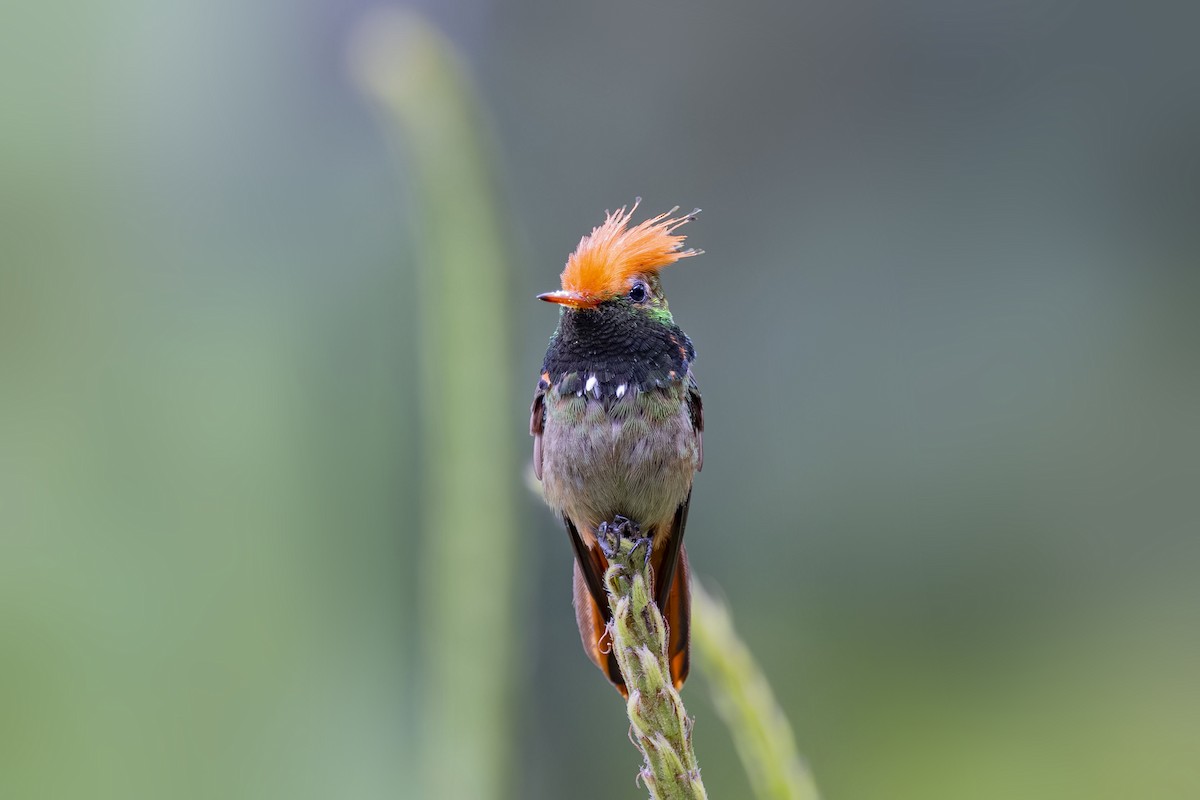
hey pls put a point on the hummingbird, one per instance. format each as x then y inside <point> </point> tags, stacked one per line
<point>617,421</point>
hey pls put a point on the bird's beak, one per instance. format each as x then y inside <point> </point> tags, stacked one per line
<point>570,299</point>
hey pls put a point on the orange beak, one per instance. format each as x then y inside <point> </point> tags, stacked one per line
<point>570,299</point>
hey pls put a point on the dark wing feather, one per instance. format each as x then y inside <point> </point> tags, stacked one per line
<point>664,576</point>
<point>536,424</point>
<point>696,410</point>
<point>591,565</point>
<point>593,631</point>
<point>672,595</point>
<point>677,612</point>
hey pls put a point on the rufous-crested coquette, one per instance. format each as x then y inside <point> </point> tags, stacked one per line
<point>617,420</point>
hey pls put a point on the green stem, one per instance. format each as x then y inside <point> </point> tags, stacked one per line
<point>744,699</point>
<point>469,533</point>
<point>659,723</point>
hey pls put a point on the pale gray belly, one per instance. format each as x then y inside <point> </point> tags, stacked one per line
<point>636,459</point>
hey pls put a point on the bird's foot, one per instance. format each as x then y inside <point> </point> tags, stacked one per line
<point>610,535</point>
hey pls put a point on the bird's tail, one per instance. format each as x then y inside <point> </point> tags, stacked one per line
<point>593,621</point>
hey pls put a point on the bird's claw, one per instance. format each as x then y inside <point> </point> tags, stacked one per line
<point>610,534</point>
<point>647,542</point>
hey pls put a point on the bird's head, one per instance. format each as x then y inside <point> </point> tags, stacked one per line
<point>616,266</point>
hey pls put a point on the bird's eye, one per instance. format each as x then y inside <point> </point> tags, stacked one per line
<point>638,292</point>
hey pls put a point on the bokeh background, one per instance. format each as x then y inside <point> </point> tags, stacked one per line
<point>948,336</point>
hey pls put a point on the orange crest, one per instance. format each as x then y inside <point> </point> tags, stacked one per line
<point>607,258</point>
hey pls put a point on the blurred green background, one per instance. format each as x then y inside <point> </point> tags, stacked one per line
<point>948,337</point>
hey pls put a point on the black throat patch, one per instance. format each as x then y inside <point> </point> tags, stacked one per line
<point>611,348</point>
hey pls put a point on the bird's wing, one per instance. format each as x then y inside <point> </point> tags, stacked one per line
<point>677,612</point>
<point>592,566</point>
<point>672,594</point>
<point>536,424</point>
<point>592,619</point>
<point>664,575</point>
<point>696,410</point>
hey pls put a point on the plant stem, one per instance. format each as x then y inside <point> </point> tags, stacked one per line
<point>660,726</point>
<point>744,699</point>
<point>469,536</point>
